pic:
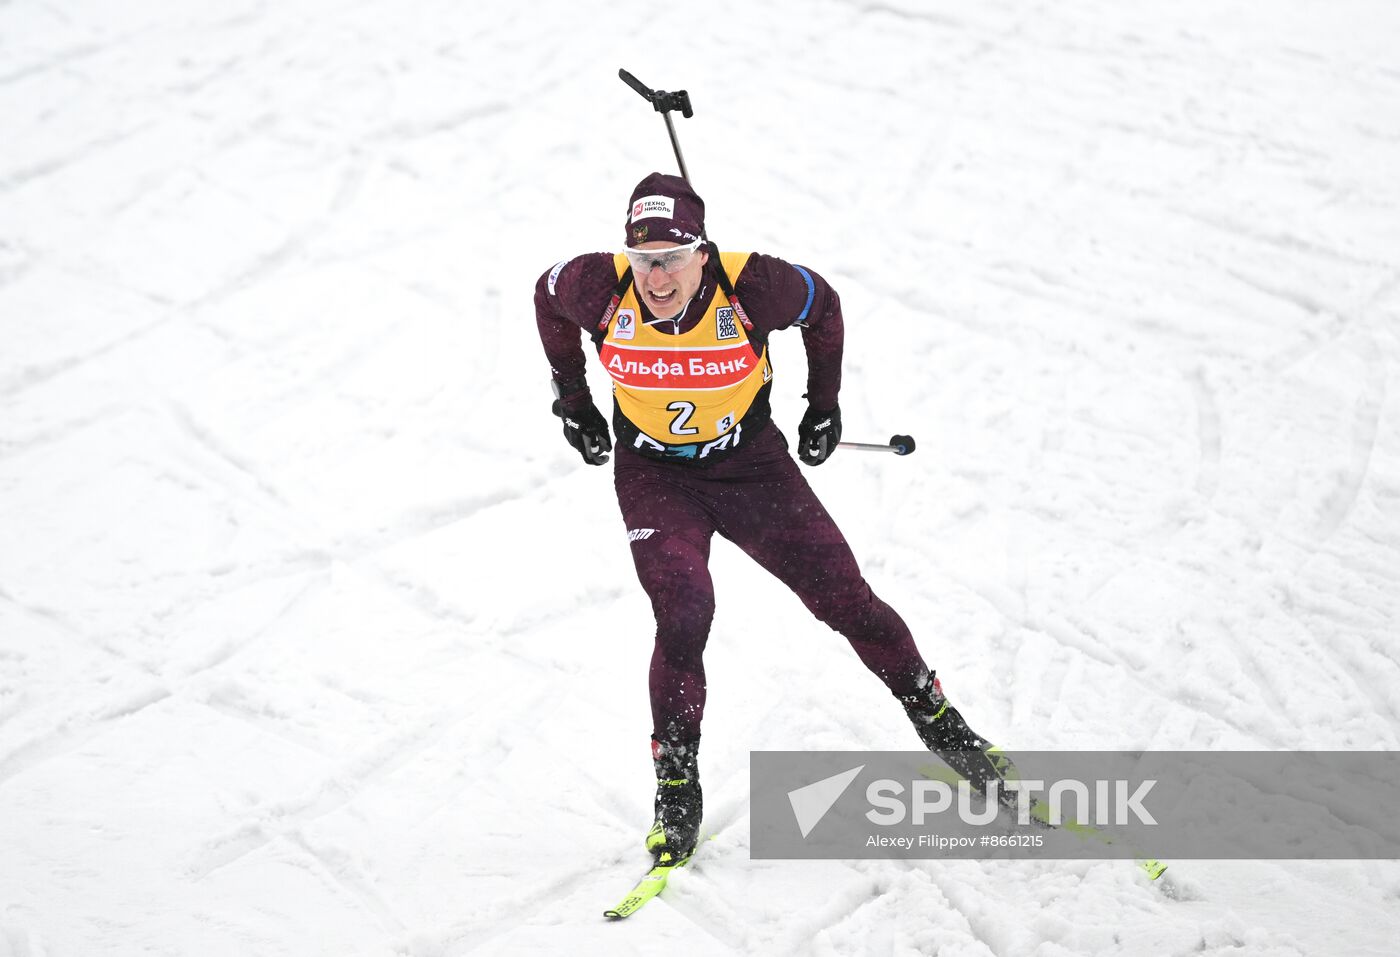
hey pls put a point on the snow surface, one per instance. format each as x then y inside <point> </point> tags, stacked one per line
<point>315,638</point>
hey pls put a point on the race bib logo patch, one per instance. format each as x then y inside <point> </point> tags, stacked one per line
<point>626,327</point>
<point>725,424</point>
<point>654,207</point>
<point>725,326</point>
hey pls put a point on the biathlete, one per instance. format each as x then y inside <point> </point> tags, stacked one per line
<point>682,329</point>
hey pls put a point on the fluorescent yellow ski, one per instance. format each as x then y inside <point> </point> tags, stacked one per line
<point>1041,812</point>
<point>648,887</point>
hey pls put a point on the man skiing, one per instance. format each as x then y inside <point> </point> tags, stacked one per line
<point>682,330</point>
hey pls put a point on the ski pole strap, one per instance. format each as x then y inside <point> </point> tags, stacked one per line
<point>662,101</point>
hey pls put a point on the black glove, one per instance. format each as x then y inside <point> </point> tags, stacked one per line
<point>817,435</point>
<point>586,430</point>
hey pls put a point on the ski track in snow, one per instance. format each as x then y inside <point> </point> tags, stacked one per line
<point>315,638</point>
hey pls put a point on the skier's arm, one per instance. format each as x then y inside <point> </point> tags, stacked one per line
<point>563,295</point>
<point>777,294</point>
<point>569,298</point>
<point>823,336</point>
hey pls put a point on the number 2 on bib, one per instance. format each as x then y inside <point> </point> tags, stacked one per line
<point>683,410</point>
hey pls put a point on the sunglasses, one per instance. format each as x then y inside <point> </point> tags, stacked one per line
<point>671,259</point>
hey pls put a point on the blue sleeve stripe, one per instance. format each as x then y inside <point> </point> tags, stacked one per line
<point>811,294</point>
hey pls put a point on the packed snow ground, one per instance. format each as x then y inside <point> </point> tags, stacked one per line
<point>315,638</point>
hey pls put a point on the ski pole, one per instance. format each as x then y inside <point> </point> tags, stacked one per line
<point>898,444</point>
<point>664,103</point>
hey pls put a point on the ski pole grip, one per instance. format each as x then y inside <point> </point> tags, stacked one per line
<point>662,101</point>
<point>679,100</point>
<point>636,84</point>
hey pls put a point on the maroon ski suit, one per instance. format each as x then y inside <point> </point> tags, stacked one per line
<point>755,496</point>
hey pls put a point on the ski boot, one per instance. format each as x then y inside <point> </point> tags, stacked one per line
<point>678,801</point>
<point>944,732</point>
